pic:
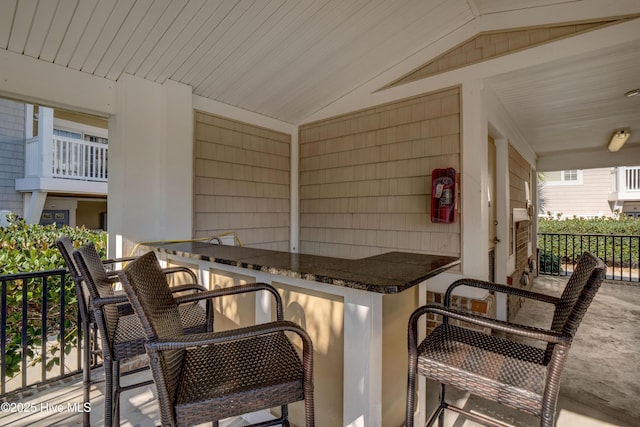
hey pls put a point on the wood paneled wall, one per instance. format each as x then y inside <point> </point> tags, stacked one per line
<point>242,178</point>
<point>365,178</point>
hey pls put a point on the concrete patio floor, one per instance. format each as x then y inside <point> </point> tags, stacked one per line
<point>600,384</point>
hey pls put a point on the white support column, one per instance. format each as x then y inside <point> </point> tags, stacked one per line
<point>34,202</point>
<point>362,361</point>
<point>28,121</point>
<point>45,137</point>
<point>177,152</point>
<point>421,385</point>
<point>150,162</point>
<point>474,209</point>
<point>294,222</point>
<point>502,261</point>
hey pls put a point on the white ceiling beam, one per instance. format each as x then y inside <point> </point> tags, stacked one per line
<point>588,10</point>
<point>30,80</point>
<point>207,105</point>
<point>629,155</point>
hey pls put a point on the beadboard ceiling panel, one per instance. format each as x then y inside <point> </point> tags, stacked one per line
<point>281,58</point>
<point>57,30</point>
<point>22,24</point>
<point>83,12</point>
<point>582,96</point>
<point>39,28</point>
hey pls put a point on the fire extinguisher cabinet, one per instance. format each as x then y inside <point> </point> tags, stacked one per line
<point>443,195</point>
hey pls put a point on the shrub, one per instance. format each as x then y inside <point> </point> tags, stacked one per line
<point>609,238</point>
<point>29,248</point>
<point>549,263</point>
<point>619,224</point>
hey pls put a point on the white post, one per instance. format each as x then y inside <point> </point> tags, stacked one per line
<point>503,218</point>
<point>28,121</point>
<point>150,162</point>
<point>474,209</point>
<point>622,181</point>
<point>362,360</point>
<point>45,139</point>
<point>294,222</point>
<point>34,206</point>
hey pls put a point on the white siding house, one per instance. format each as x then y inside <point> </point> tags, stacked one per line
<point>590,192</point>
<point>53,165</point>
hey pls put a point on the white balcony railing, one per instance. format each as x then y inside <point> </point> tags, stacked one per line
<point>631,178</point>
<point>77,159</point>
<point>68,158</point>
<point>625,184</point>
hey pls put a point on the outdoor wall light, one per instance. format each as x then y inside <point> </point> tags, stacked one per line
<point>618,139</point>
<point>633,92</point>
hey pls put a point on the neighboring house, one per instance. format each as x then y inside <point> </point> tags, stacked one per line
<point>591,192</point>
<point>53,165</point>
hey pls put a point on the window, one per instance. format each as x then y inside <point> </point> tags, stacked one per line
<point>67,133</point>
<point>565,177</point>
<point>78,135</point>
<point>97,139</point>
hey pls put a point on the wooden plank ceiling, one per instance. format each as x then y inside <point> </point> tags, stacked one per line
<point>281,58</point>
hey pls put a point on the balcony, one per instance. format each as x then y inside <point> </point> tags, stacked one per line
<point>56,164</point>
<point>625,184</point>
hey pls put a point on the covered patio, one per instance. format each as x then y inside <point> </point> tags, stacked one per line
<point>599,387</point>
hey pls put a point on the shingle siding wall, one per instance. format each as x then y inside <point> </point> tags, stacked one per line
<point>11,154</point>
<point>242,178</point>
<point>365,178</point>
<point>519,173</point>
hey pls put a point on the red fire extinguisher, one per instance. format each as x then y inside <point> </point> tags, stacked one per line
<point>443,195</point>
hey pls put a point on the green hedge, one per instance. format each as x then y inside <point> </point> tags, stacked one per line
<point>613,239</point>
<point>29,248</point>
<point>619,224</point>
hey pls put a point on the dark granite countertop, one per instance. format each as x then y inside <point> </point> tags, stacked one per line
<point>387,273</point>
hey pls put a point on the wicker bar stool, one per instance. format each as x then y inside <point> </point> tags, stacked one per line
<point>87,319</point>
<point>521,376</point>
<point>207,377</point>
<point>121,333</point>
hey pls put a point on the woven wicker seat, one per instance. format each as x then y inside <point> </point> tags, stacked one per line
<point>207,377</point>
<point>121,333</point>
<point>502,369</point>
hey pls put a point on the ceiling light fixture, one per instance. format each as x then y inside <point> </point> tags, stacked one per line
<point>618,139</point>
<point>633,92</point>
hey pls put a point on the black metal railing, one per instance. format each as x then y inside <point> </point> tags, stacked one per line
<point>40,329</point>
<point>558,253</point>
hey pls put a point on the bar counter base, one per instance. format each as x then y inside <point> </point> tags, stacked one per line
<point>357,319</point>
